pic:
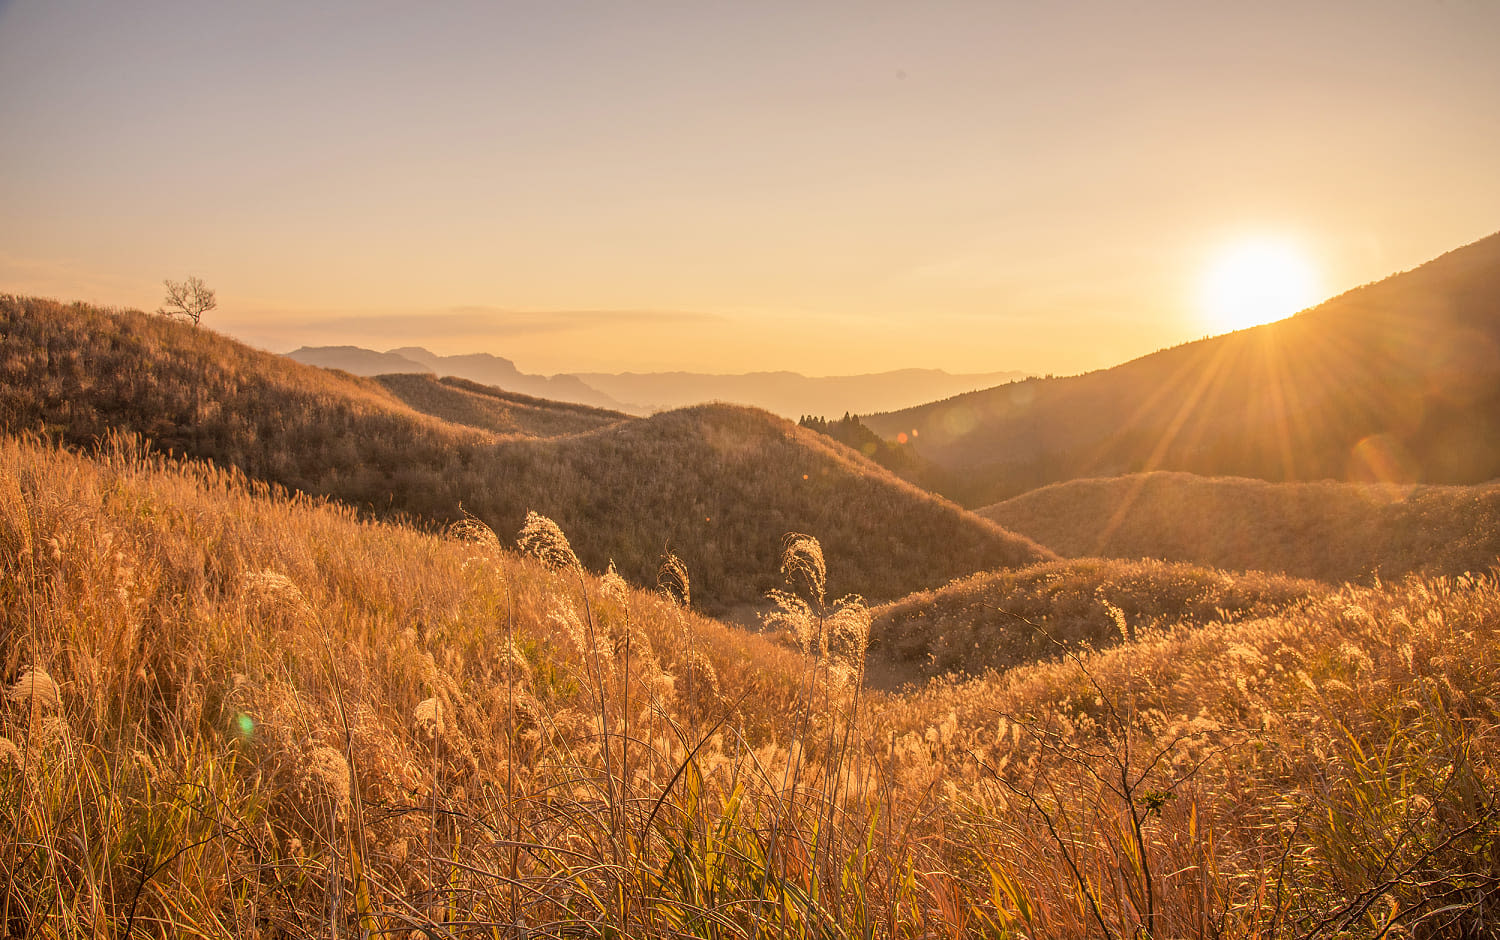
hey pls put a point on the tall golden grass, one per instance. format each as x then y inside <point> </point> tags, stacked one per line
<point>235,713</point>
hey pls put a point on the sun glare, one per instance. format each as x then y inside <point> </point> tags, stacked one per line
<point>1256,282</point>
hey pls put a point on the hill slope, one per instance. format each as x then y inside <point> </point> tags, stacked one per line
<point>717,485</point>
<point>1330,531</point>
<point>996,620</point>
<point>460,401</point>
<point>1395,381</point>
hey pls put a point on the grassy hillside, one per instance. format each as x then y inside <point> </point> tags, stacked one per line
<point>459,401</point>
<point>717,485</point>
<point>228,714</point>
<point>1324,772</point>
<point>996,620</point>
<point>1330,531</point>
<point>1396,381</point>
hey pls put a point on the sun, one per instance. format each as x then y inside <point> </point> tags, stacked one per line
<point>1254,282</point>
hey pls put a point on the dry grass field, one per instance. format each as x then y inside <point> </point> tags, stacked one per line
<point>230,712</point>
<point>836,471</point>
<point>352,669</point>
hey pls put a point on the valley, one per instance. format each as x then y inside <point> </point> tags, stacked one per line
<point>287,646</point>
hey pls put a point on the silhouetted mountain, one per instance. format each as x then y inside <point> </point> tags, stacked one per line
<point>790,394</point>
<point>476,367</point>
<point>1394,381</point>
<point>357,361</point>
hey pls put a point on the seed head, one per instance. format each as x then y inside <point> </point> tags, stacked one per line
<point>673,582</point>
<point>275,589</point>
<point>802,560</point>
<point>471,531</point>
<point>542,538</point>
<point>35,690</point>
<point>612,585</point>
<point>428,717</point>
<point>328,773</point>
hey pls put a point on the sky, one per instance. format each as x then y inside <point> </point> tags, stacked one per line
<point>831,188</point>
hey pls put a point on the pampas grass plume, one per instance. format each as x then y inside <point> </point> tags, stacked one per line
<point>37,690</point>
<point>543,539</point>
<point>428,718</point>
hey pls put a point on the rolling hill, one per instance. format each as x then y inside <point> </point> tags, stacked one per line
<point>1330,531</point>
<point>460,401</point>
<point>717,485</point>
<point>996,620</point>
<point>1397,381</point>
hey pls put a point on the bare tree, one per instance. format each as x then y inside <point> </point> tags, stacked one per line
<point>189,299</point>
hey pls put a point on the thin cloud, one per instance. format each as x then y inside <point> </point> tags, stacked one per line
<point>492,321</point>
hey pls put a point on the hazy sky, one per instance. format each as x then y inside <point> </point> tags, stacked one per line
<point>828,187</point>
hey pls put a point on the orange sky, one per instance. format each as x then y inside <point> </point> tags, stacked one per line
<point>827,187</point>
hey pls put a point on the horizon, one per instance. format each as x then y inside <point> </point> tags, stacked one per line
<point>837,190</point>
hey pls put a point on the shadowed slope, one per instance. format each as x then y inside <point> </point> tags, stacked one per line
<point>1331,531</point>
<point>717,485</point>
<point>1397,381</point>
<point>461,401</point>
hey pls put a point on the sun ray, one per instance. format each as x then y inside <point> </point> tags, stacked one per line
<point>1256,281</point>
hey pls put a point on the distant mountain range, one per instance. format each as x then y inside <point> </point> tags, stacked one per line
<point>476,367</point>
<point>789,394</point>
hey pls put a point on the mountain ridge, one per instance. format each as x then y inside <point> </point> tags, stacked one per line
<point>782,392</point>
<point>1398,380</point>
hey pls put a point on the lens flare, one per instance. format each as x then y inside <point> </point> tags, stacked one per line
<point>1255,282</point>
